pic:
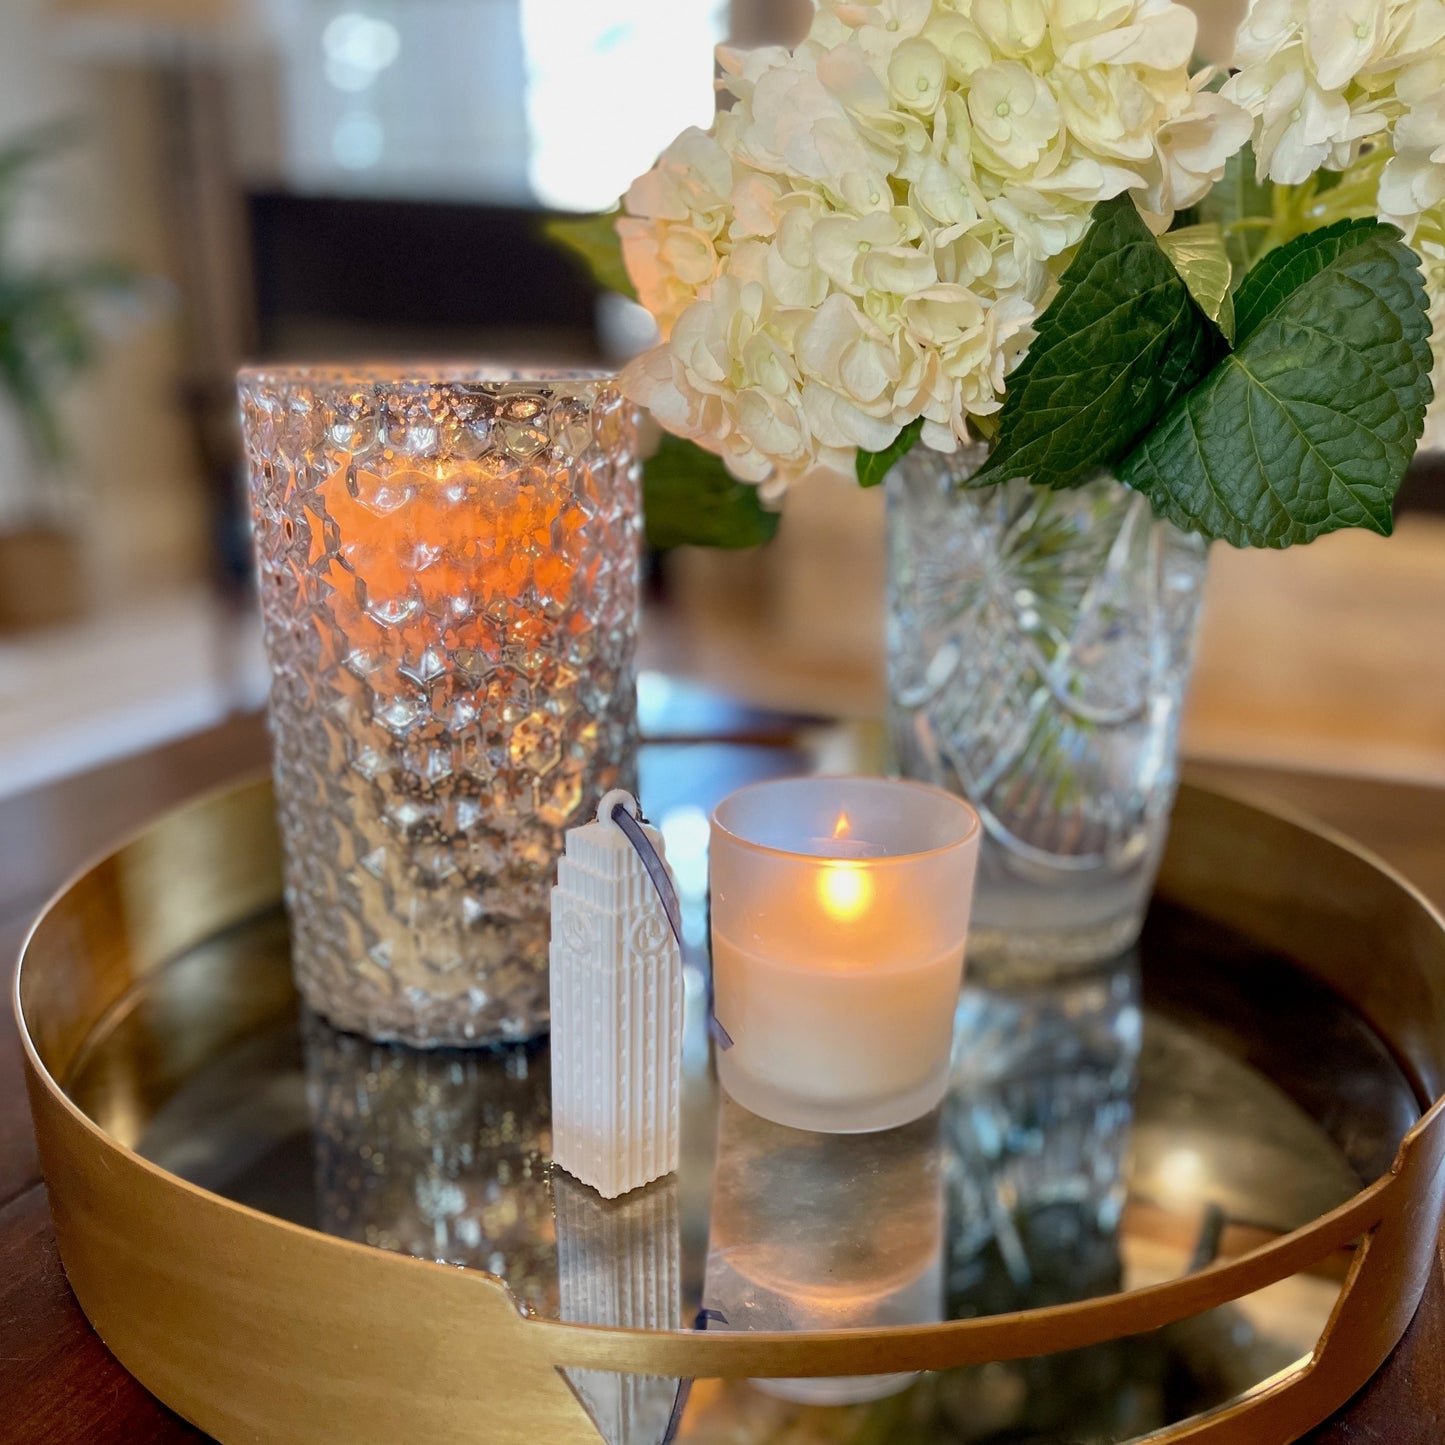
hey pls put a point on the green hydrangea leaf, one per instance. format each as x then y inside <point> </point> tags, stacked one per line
<point>594,240</point>
<point>872,467</point>
<point>1309,425</point>
<point>1202,260</point>
<point>1285,269</point>
<point>1121,340</point>
<point>689,499</point>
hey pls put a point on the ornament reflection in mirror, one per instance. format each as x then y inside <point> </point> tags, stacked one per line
<point>619,1264</point>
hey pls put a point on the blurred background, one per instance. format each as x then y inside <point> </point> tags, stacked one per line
<point>187,185</point>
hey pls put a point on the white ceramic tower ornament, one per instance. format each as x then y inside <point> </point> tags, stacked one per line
<point>616,1004</point>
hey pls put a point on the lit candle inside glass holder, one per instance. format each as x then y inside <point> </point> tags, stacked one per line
<point>839,915</point>
<point>448,566</point>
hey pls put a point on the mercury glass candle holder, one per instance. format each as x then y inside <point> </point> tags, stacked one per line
<point>839,916</point>
<point>449,584</point>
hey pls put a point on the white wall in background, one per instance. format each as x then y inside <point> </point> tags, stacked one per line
<point>511,101</point>
<point>609,83</point>
<point>403,98</point>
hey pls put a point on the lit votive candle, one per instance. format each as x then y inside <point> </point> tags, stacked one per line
<point>839,915</point>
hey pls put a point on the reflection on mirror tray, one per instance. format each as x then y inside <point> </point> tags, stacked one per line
<point>1035,1154</point>
<point>620,1265</point>
<point>826,1232</point>
<point>1038,1123</point>
<point>438,1153</point>
<point>1086,1145</point>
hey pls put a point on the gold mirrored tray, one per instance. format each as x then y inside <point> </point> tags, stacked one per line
<point>1195,1192</point>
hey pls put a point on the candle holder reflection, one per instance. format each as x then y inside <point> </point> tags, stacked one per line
<point>619,1262</point>
<point>441,1154</point>
<point>826,1232</point>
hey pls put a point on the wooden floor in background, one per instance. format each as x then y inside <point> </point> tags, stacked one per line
<point>1330,656</point>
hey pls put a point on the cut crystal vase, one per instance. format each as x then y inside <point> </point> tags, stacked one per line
<point>448,567</point>
<point>1039,647</point>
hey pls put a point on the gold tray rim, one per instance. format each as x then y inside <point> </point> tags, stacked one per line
<point>89,1170</point>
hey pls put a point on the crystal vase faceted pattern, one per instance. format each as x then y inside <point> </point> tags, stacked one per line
<point>449,585</point>
<point>1039,646</point>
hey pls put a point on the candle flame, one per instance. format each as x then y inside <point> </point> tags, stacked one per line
<point>845,891</point>
<point>842,827</point>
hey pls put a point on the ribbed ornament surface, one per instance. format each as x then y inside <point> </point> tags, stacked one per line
<point>616,1017</point>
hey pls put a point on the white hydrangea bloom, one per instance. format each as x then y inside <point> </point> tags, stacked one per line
<point>1323,77</point>
<point>676,214</point>
<point>1414,178</point>
<point>868,235</point>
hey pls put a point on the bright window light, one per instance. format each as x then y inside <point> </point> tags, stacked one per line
<point>358,48</point>
<point>358,141</point>
<point>609,83</point>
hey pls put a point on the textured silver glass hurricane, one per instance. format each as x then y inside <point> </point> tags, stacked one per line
<point>1039,647</point>
<point>449,581</point>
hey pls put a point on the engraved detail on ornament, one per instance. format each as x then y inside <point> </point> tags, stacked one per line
<point>650,935</point>
<point>577,929</point>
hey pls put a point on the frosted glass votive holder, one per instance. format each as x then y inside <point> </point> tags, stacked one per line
<point>840,913</point>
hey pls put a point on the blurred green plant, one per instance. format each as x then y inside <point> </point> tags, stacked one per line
<point>593,240</point>
<point>48,331</point>
<point>1258,216</point>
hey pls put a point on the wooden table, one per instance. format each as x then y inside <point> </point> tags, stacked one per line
<point>58,1384</point>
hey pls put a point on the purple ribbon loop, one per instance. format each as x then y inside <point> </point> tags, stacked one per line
<point>636,834</point>
<point>656,868</point>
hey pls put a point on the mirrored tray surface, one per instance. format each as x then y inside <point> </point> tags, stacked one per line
<point>1182,1105</point>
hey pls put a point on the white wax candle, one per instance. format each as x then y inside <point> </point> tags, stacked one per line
<point>851,1037</point>
<point>838,949</point>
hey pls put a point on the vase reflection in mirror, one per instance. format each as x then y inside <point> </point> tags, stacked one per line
<point>1038,1129</point>
<point>448,568</point>
<point>825,1232</point>
<point>1038,1125</point>
<point>1039,647</point>
<point>441,1154</point>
